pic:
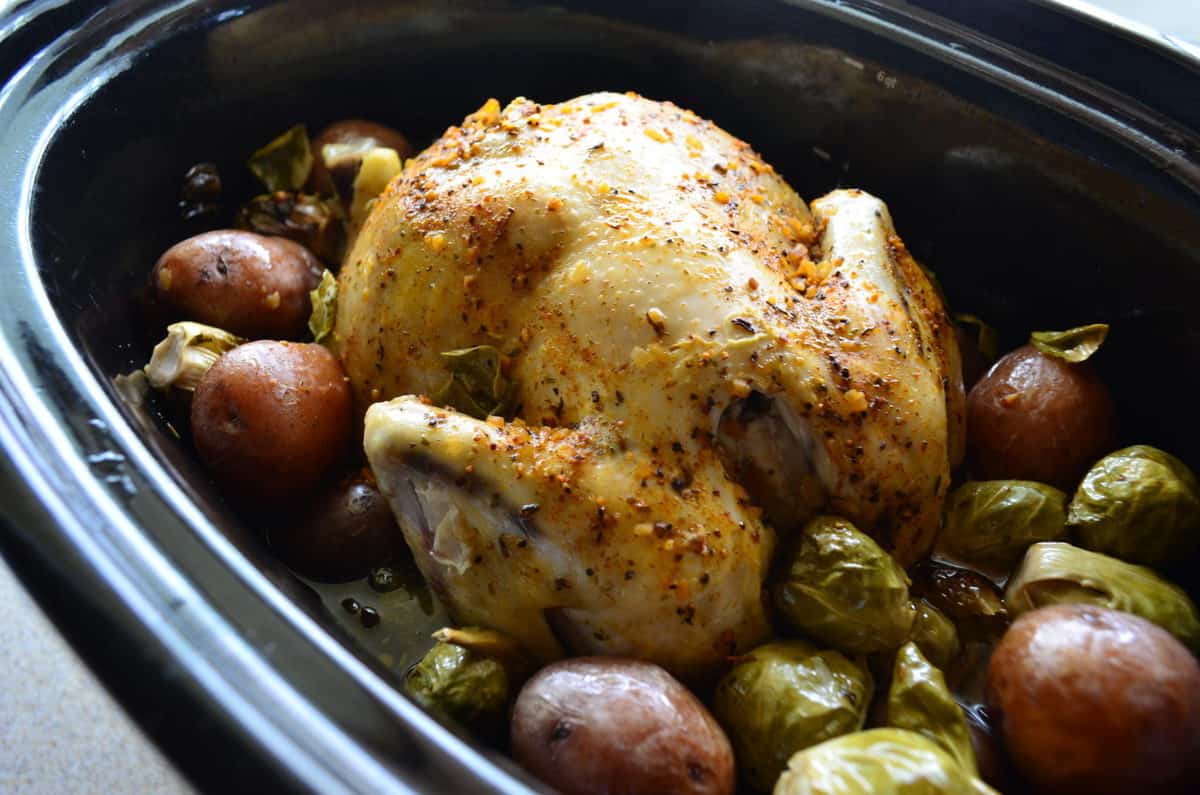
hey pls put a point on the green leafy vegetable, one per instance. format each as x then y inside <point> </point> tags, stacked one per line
<point>987,341</point>
<point>477,385</point>
<point>968,598</point>
<point>459,683</point>
<point>324,307</point>
<point>841,588</point>
<point>185,355</point>
<point>935,635</point>
<point>284,163</point>
<point>311,221</point>
<point>1139,504</point>
<point>784,697</point>
<point>1073,345</point>
<point>1057,573</point>
<point>918,700</point>
<point>878,762</point>
<point>989,524</point>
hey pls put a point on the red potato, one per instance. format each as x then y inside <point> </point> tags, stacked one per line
<point>1095,701</point>
<point>348,530</point>
<point>248,284</point>
<point>595,725</point>
<point>1035,417</point>
<point>269,419</point>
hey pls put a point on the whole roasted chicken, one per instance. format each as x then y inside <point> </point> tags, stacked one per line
<point>682,362</point>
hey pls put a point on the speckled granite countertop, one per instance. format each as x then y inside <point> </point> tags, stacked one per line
<point>60,731</point>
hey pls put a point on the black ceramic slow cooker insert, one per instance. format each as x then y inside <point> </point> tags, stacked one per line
<point>1044,163</point>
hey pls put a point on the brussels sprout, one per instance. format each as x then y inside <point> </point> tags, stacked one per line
<point>990,523</point>
<point>324,307</point>
<point>784,697</point>
<point>1138,504</point>
<point>935,635</point>
<point>311,221</point>
<point>1057,573</point>
<point>918,700</point>
<point>284,163</point>
<point>460,683</point>
<point>969,599</point>
<point>841,588</point>
<point>1073,345</point>
<point>878,762</point>
<point>477,385</point>
<point>186,353</point>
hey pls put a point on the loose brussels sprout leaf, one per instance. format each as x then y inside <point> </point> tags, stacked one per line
<point>987,341</point>
<point>459,683</point>
<point>784,697</point>
<point>324,307</point>
<point>311,221</point>
<point>840,587</point>
<point>989,524</point>
<point>185,355</point>
<point>878,762</point>
<point>918,700</point>
<point>1139,504</point>
<point>378,167</point>
<point>477,385</point>
<point>935,635</point>
<point>1073,345</point>
<point>285,162</point>
<point>1057,573</point>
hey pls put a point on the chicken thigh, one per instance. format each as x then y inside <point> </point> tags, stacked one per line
<point>698,362</point>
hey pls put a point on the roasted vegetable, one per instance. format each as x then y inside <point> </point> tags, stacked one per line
<point>324,307</point>
<point>918,700</point>
<point>1139,504</point>
<point>1073,345</point>
<point>311,221</point>
<point>934,634</point>
<point>971,600</point>
<point>594,725</point>
<point>878,762</point>
<point>186,353</point>
<point>285,162</point>
<point>1037,417</point>
<point>840,587</point>
<point>339,150</point>
<point>270,419</point>
<point>1057,573</point>
<point>345,531</point>
<point>476,385</point>
<point>990,523</point>
<point>459,683</point>
<point>250,285</point>
<point>784,697</point>
<point>1096,701</point>
<point>978,347</point>
<point>377,169</point>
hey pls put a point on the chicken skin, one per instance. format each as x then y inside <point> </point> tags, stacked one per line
<point>698,363</point>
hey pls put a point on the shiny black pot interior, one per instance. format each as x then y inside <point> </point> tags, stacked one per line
<point>1035,209</point>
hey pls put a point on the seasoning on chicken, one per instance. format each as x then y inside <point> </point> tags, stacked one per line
<point>694,361</point>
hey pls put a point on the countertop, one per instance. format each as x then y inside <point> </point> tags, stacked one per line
<point>60,731</point>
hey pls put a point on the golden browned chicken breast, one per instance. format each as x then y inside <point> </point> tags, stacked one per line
<point>697,361</point>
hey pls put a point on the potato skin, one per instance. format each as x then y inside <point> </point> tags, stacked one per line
<point>346,531</point>
<point>252,285</point>
<point>1095,701</point>
<point>1035,417</point>
<point>269,419</point>
<point>593,725</point>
